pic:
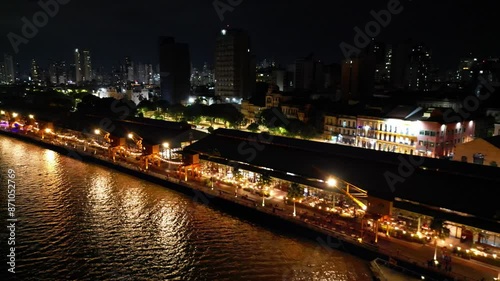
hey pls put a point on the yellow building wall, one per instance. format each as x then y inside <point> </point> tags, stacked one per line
<point>490,152</point>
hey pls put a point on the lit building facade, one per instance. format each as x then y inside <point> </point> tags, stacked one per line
<point>250,111</point>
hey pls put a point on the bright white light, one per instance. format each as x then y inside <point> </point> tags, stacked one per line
<point>224,32</point>
<point>166,145</point>
<point>130,136</point>
<point>97,132</point>
<point>331,182</point>
<point>191,100</point>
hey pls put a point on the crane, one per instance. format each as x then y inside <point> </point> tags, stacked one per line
<point>137,139</point>
<point>112,150</point>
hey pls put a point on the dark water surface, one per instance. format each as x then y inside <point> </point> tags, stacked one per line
<point>80,221</point>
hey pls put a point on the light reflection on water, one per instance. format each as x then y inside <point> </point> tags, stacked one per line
<point>80,221</point>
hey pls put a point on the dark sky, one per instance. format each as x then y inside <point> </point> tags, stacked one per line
<point>283,29</point>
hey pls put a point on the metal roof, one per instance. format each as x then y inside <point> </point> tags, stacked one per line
<point>438,183</point>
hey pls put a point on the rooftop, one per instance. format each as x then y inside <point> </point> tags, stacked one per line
<point>443,185</point>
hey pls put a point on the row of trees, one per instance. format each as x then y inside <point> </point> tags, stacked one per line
<point>197,113</point>
<point>276,122</point>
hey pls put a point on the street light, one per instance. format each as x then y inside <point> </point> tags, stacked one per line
<point>166,146</point>
<point>331,182</point>
<point>2,112</point>
<point>97,131</point>
<point>131,136</point>
<point>294,209</point>
<point>32,116</point>
<point>14,115</point>
<point>435,248</point>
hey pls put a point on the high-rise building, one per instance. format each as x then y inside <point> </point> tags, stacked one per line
<point>309,74</point>
<point>87,67</point>
<point>57,72</point>
<point>358,75</point>
<point>234,65</point>
<point>35,71</point>
<point>419,69</point>
<point>175,70</point>
<point>83,66</point>
<point>2,73</point>
<point>149,74</point>
<point>10,70</point>
<point>400,54</point>
<point>78,67</point>
<point>466,69</point>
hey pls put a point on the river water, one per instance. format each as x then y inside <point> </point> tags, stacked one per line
<point>81,221</point>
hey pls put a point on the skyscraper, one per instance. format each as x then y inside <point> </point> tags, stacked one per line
<point>10,71</point>
<point>83,66</point>
<point>358,76</point>
<point>234,65</point>
<point>78,67</point>
<point>57,72</point>
<point>175,70</point>
<point>35,71</point>
<point>87,67</point>
<point>419,69</point>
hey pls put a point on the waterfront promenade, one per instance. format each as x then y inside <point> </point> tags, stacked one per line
<point>348,231</point>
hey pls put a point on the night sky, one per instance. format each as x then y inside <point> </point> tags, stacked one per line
<point>280,29</point>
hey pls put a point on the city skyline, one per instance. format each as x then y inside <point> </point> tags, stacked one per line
<point>450,32</point>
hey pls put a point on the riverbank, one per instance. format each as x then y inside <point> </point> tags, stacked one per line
<point>235,205</point>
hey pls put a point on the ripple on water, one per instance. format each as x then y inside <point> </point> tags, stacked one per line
<point>84,222</point>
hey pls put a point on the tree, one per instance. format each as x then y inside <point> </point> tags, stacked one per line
<point>254,127</point>
<point>295,191</point>
<point>307,132</point>
<point>211,130</point>
<point>437,225</point>
<point>265,180</point>
<point>176,111</point>
<point>270,118</point>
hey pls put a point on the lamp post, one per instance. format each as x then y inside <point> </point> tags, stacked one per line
<point>166,152</point>
<point>331,182</point>
<point>435,248</point>
<point>294,209</point>
<point>263,198</point>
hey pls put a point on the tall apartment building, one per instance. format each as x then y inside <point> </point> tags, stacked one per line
<point>35,71</point>
<point>358,76</point>
<point>78,67</point>
<point>87,67</point>
<point>175,70</point>
<point>57,72</point>
<point>234,65</point>
<point>419,69</point>
<point>10,71</point>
